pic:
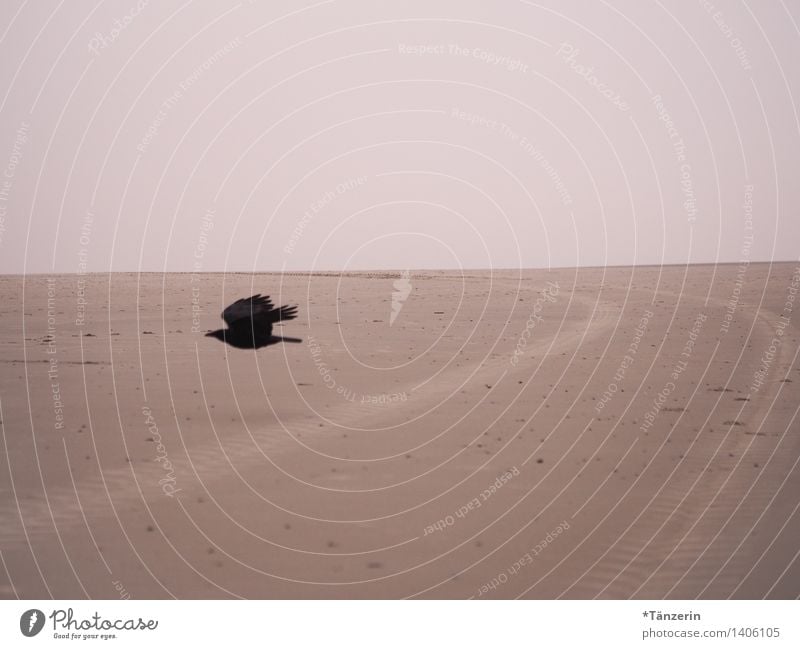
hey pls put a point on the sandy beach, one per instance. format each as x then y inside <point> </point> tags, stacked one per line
<point>574,433</point>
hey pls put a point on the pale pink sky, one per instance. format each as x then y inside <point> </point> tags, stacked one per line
<point>426,134</point>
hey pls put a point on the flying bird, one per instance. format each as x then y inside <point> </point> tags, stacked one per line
<point>250,323</point>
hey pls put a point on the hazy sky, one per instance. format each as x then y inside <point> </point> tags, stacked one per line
<point>426,134</point>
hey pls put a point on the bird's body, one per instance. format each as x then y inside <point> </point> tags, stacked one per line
<point>250,323</point>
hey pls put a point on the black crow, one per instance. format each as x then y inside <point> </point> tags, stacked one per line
<point>250,323</point>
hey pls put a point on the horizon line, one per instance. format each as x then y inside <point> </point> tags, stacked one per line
<point>398,270</point>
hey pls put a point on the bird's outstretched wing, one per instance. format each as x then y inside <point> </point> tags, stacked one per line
<point>255,307</point>
<point>284,313</point>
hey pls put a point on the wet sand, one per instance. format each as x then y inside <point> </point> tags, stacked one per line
<point>613,433</point>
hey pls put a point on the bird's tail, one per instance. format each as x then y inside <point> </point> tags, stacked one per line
<point>283,313</point>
